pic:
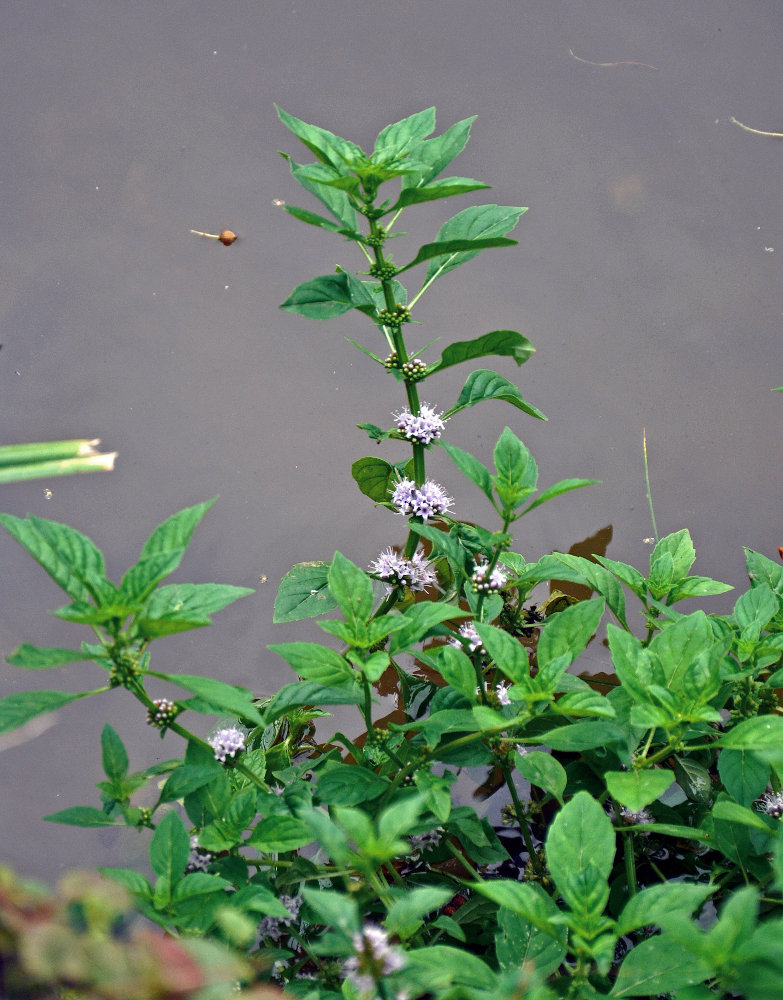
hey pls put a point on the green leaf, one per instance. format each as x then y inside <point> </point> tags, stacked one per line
<point>526,899</point>
<point>373,476</point>
<point>349,785</point>
<point>315,178</point>
<point>226,697</point>
<point>580,838</point>
<point>507,652</point>
<point>484,384</point>
<point>304,593</point>
<point>176,531</point>
<point>324,145</point>
<point>329,295</point>
<point>558,489</point>
<point>182,606</point>
<point>279,833</point>
<point>744,775</point>
<point>637,789</point>
<point>420,619</point>
<point>186,779</point>
<point>565,566</point>
<point>583,736</point>
<point>518,941</point>
<point>140,580</point>
<point>44,658</point>
<point>661,905</point>
<point>16,709</point>
<point>316,663</point>
<point>312,219</point>
<point>333,909</point>
<point>476,222</point>
<point>398,140</point>
<point>733,812</point>
<point>405,914</point>
<point>679,546</point>
<point>760,733</point>
<point>434,968</point>
<point>544,771</point>
<point>351,587</point>
<point>170,848</point>
<point>658,965</point>
<point>446,187</point>
<point>114,754</point>
<point>82,816</point>
<point>470,467</point>
<point>569,631</point>
<point>309,693</point>
<point>454,667</point>
<point>70,558</point>
<point>434,155</point>
<point>517,472</point>
<point>449,248</point>
<point>134,882</point>
<point>503,343</point>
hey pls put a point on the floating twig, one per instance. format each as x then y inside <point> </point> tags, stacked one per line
<point>756,131</point>
<point>226,237</point>
<point>589,62</point>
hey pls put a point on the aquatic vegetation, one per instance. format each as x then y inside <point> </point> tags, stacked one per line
<point>640,851</point>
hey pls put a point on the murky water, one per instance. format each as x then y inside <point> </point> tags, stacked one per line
<point>647,275</point>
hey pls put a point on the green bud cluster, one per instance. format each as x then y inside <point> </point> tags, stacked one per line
<point>394,317</point>
<point>414,370</point>
<point>391,362</point>
<point>384,271</point>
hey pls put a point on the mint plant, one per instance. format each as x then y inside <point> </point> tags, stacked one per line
<point>640,851</point>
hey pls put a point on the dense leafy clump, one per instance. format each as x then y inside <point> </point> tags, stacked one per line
<point>640,851</point>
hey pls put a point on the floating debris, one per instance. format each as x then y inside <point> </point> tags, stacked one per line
<point>226,237</point>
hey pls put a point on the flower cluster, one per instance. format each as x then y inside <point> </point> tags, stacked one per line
<point>771,803</point>
<point>425,841</point>
<point>468,632</point>
<point>397,571</point>
<point>374,958</point>
<point>421,428</point>
<point>272,928</point>
<point>198,859</point>
<point>162,714</point>
<point>485,582</point>
<point>227,743</point>
<point>427,501</point>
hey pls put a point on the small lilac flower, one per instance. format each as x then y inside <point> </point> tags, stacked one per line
<point>198,859</point>
<point>423,428</point>
<point>501,690</point>
<point>772,804</point>
<point>424,841</point>
<point>397,571</point>
<point>426,502</point>
<point>273,928</point>
<point>373,960</point>
<point>496,580</point>
<point>227,743</point>
<point>468,631</point>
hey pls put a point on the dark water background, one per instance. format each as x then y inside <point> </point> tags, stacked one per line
<point>647,276</point>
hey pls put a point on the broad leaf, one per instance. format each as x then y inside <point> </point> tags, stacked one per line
<point>16,709</point>
<point>470,467</point>
<point>304,593</point>
<point>170,848</point>
<point>374,477</point>
<point>324,145</point>
<point>484,384</point>
<point>351,587</point>
<point>316,663</point>
<point>82,816</point>
<point>476,222</point>
<point>176,531</point>
<point>224,697</point>
<point>637,789</point>
<point>42,658</point>
<point>452,247</point>
<point>544,771</point>
<point>580,837</point>
<point>399,139</point>
<point>114,755</point>
<point>327,296</point>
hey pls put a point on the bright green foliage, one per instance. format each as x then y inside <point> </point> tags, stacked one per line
<point>646,854</point>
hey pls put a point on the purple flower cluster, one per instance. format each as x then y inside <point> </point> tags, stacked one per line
<point>427,501</point>
<point>397,571</point>
<point>468,632</point>
<point>486,582</point>
<point>227,743</point>
<point>374,958</point>
<point>423,428</point>
<point>273,928</point>
<point>198,859</point>
<point>771,803</point>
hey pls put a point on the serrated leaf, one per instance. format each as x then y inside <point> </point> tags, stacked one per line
<point>304,593</point>
<point>226,697</point>
<point>316,663</point>
<point>476,222</point>
<point>176,531</point>
<point>44,658</point>
<point>82,816</point>
<point>373,476</point>
<point>170,848</point>
<point>580,837</point>
<point>637,789</point>
<point>329,295</point>
<point>658,965</point>
<point>71,559</point>
<point>484,384</point>
<point>399,139</point>
<point>434,155</point>
<point>569,631</point>
<point>16,709</point>
<point>113,754</point>
<point>324,145</point>
<point>450,248</point>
